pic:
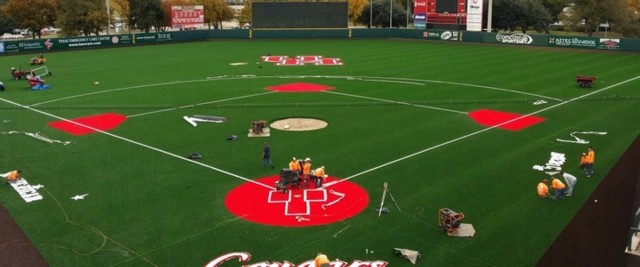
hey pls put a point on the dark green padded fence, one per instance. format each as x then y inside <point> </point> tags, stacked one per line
<point>117,40</point>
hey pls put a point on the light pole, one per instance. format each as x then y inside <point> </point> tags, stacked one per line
<point>108,17</point>
<point>390,14</point>
<point>370,14</point>
<point>489,16</point>
<point>407,14</point>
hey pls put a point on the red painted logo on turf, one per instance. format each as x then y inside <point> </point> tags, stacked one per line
<point>261,203</point>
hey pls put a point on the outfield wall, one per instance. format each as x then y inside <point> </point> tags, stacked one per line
<point>119,40</point>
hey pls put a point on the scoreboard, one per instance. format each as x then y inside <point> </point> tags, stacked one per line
<point>446,11</point>
<point>448,14</point>
<point>187,16</point>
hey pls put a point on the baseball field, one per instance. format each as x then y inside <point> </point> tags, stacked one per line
<point>108,182</point>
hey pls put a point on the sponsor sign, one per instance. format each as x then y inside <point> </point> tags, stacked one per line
<point>187,16</point>
<point>515,38</point>
<point>31,45</point>
<point>90,41</point>
<point>442,35</point>
<point>474,15</point>
<point>244,257</point>
<point>586,42</point>
<point>65,43</point>
<point>609,43</point>
<point>582,42</point>
<point>11,47</point>
<point>420,14</point>
<point>153,37</point>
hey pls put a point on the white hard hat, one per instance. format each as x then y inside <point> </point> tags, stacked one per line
<point>307,159</point>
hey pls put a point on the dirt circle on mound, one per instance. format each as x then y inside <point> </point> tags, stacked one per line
<point>299,124</point>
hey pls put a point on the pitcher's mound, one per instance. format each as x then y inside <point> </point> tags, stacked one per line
<point>298,124</point>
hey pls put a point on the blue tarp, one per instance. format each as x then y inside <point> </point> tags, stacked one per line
<point>41,87</point>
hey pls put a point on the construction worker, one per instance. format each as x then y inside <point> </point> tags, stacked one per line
<point>559,187</point>
<point>583,161</point>
<point>322,260</point>
<point>543,189</point>
<point>591,159</point>
<point>294,165</point>
<point>12,176</point>
<point>570,180</point>
<point>319,176</point>
<point>306,171</point>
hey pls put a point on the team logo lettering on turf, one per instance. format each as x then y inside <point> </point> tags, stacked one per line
<point>260,202</point>
<point>302,60</point>
<point>244,257</point>
<point>28,192</point>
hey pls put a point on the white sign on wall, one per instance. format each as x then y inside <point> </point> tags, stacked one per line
<point>474,15</point>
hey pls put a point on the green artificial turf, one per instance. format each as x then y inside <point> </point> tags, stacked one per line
<point>397,115</point>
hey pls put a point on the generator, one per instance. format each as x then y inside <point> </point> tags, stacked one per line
<point>449,220</point>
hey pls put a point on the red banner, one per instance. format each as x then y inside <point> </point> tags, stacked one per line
<point>187,16</point>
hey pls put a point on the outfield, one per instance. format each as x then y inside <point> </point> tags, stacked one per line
<point>399,112</point>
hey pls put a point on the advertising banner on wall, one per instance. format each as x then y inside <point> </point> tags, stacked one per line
<point>474,15</point>
<point>420,14</point>
<point>514,38</point>
<point>442,35</point>
<point>586,42</point>
<point>146,38</point>
<point>40,45</point>
<point>187,16</point>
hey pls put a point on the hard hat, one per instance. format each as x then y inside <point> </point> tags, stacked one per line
<point>307,159</point>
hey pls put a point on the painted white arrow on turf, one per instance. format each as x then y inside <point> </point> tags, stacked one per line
<point>194,120</point>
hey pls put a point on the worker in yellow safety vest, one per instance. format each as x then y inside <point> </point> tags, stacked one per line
<point>321,260</point>
<point>12,176</point>
<point>319,176</point>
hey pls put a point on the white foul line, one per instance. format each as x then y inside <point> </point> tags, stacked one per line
<point>118,89</point>
<point>478,132</point>
<point>138,143</point>
<point>397,102</point>
<point>298,76</point>
<point>199,104</point>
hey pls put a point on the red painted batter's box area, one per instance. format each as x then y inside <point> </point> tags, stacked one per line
<point>302,60</point>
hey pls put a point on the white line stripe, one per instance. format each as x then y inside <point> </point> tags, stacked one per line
<point>239,77</point>
<point>377,79</point>
<point>396,102</point>
<point>118,89</point>
<point>199,104</point>
<point>480,131</point>
<point>138,143</point>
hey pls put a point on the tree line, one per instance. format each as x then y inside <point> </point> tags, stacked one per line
<point>87,17</point>
<point>587,16</point>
